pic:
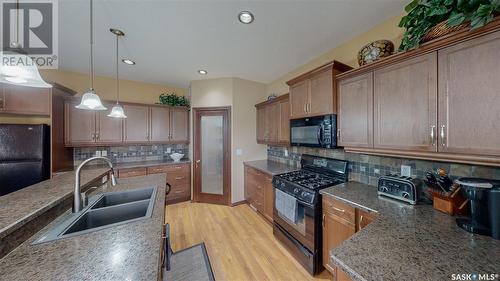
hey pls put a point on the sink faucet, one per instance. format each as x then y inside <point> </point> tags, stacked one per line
<point>77,198</point>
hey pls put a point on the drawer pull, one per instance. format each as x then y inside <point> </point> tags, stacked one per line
<point>178,191</point>
<point>338,210</point>
<point>179,178</point>
<point>178,167</point>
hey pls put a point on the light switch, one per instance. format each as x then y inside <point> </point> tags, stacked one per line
<point>286,152</point>
<point>169,150</point>
<point>97,153</point>
<point>239,151</point>
<point>104,153</point>
<point>405,171</point>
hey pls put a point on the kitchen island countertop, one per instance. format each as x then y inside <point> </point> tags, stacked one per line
<point>409,242</point>
<point>129,251</point>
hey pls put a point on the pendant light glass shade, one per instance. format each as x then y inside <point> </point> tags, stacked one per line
<point>21,70</point>
<point>91,101</point>
<point>117,112</point>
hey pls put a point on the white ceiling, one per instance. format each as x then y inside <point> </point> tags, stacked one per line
<point>171,40</point>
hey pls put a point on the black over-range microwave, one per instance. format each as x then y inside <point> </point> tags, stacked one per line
<point>318,131</point>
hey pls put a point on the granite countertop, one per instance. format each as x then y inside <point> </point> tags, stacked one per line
<point>271,167</point>
<point>124,252</point>
<point>409,242</point>
<point>149,163</point>
<point>20,207</point>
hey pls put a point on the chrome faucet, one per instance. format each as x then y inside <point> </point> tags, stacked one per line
<point>77,197</point>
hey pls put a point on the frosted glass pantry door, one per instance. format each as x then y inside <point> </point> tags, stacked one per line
<point>212,153</point>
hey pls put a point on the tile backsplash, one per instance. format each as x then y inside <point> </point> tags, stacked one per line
<point>367,168</point>
<point>131,153</point>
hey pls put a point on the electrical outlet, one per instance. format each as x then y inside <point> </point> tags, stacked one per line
<point>97,153</point>
<point>286,152</point>
<point>376,171</point>
<point>405,171</point>
<point>169,150</point>
<point>239,151</point>
<point>362,168</point>
<point>104,153</point>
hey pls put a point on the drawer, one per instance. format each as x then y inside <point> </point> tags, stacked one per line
<point>132,172</point>
<point>157,170</point>
<point>339,209</point>
<point>179,191</point>
<point>181,168</point>
<point>178,178</point>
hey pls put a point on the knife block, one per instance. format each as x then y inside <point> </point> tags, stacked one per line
<point>452,203</point>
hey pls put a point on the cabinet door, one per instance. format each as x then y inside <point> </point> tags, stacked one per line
<point>272,122</point>
<point>261,124</point>
<point>26,100</point>
<point>321,95</point>
<point>248,184</point>
<point>284,122</point>
<point>469,97</point>
<point>355,118</point>
<point>136,125</point>
<point>160,124</point>
<point>335,231</point>
<point>299,97</point>
<point>108,129</point>
<point>268,198</point>
<point>405,105</point>
<point>79,125</point>
<point>179,124</point>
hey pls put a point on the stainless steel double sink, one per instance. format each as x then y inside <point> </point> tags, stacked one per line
<point>103,211</point>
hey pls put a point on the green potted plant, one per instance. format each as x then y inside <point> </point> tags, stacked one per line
<point>444,16</point>
<point>173,100</point>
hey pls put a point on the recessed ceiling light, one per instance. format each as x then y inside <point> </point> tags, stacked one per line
<point>246,17</point>
<point>202,72</point>
<point>129,62</point>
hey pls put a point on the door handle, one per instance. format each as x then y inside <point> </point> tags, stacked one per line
<point>319,135</point>
<point>323,221</point>
<point>197,162</point>
<point>443,135</point>
<point>433,135</point>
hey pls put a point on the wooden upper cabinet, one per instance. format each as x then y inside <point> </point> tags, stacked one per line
<point>405,105</point>
<point>108,129</point>
<point>179,124</point>
<point>261,124</point>
<point>469,97</point>
<point>25,100</point>
<point>284,121</point>
<point>160,124</point>
<point>321,94</point>
<point>273,121</point>
<point>79,125</point>
<point>355,111</point>
<point>136,125</point>
<point>299,98</point>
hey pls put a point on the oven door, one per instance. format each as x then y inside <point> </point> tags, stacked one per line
<point>303,230</point>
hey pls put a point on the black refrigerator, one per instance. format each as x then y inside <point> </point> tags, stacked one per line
<point>24,156</point>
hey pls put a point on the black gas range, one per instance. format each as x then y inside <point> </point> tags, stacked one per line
<point>297,208</point>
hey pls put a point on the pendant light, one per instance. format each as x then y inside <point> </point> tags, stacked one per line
<point>117,110</point>
<point>23,71</point>
<point>90,100</point>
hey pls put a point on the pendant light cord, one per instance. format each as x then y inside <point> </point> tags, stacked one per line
<point>117,76</point>
<point>92,44</point>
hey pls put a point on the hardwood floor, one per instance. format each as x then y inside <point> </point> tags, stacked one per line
<point>239,241</point>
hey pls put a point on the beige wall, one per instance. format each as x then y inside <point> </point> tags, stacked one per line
<point>346,52</point>
<point>131,91</point>
<point>241,95</point>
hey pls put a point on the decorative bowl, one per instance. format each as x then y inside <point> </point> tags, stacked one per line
<point>374,51</point>
<point>176,156</point>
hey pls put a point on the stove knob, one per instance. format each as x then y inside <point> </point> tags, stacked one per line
<point>384,189</point>
<point>405,195</point>
<point>296,190</point>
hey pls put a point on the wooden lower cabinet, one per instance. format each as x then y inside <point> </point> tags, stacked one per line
<point>340,222</point>
<point>259,191</point>
<point>178,176</point>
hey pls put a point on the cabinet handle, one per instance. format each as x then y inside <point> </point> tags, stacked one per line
<point>179,178</point>
<point>323,221</point>
<point>433,135</point>
<point>338,134</point>
<point>338,210</point>
<point>308,107</point>
<point>360,221</point>
<point>305,107</point>
<point>443,135</point>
